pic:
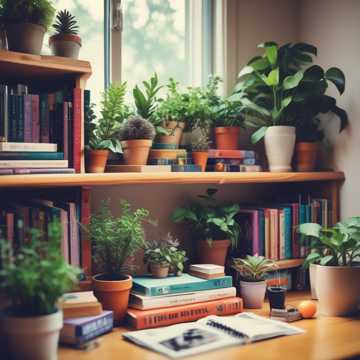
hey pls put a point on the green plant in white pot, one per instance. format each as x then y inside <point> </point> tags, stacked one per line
<point>33,280</point>
<point>252,271</point>
<point>335,251</point>
<point>26,22</point>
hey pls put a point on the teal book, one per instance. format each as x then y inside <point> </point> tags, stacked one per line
<point>148,286</point>
<point>288,236</point>
<point>41,155</point>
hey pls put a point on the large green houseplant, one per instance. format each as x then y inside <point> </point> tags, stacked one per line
<point>26,22</point>
<point>33,279</point>
<point>335,251</point>
<point>214,226</point>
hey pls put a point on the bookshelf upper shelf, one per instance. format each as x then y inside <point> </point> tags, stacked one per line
<point>68,180</point>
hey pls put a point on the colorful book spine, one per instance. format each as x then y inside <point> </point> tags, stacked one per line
<point>44,118</point>
<point>295,235</point>
<point>19,118</point>
<point>233,154</point>
<point>77,133</point>
<point>19,147</point>
<point>261,230</point>
<point>35,119</point>
<point>27,118</point>
<point>287,233</point>
<point>41,171</point>
<point>65,130</point>
<point>13,164</point>
<point>27,155</point>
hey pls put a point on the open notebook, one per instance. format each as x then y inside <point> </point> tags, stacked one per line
<point>210,333</point>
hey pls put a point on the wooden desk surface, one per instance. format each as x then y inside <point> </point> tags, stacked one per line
<point>325,338</point>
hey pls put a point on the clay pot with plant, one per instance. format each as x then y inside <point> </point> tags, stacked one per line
<point>334,252</point>
<point>115,240</point>
<point>136,136</point>
<point>65,42</point>
<point>26,23</point>
<point>252,271</point>
<point>200,149</point>
<point>214,226</point>
<point>33,280</point>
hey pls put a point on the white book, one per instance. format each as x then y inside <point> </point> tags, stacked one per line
<point>33,164</point>
<point>30,147</point>
<point>207,268</point>
<point>153,302</point>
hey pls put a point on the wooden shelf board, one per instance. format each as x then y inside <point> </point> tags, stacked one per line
<point>289,263</point>
<point>68,180</point>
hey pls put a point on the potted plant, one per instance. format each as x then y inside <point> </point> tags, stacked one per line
<point>200,149</point>
<point>136,136</point>
<point>26,23</point>
<point>101,135</point>
<point>115,239</point>
<point>33,280</point>
<point>335,251</point>
<point>252,271</point>
<point>214,226</point>
<point>66,41</point>
<point>162,256</point>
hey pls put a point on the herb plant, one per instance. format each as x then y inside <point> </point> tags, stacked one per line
<point>136,128</point>
<point>37,275</point>
<point>66,24</point>
<point>253,268</point>
<point>210,220</point>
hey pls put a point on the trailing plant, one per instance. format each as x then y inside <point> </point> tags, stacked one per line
<point>37,275</point>
<point>115,239</point>
<point>335,246</point>
<point>253,268</point>
<point>209,219</point>
<point>66,24</point>
<point>39,12</point>
<point>136,128</point>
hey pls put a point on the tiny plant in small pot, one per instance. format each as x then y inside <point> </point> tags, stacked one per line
<point>335,252</point>
<point>252,271</point>
<point>66,41</point>
<point>34,279</point>
<point>214,226</point>
<point>115,239</point>
<point>26,23</point>
<point>200,149</point>
<point>136,136</point>
<point>164,255</point>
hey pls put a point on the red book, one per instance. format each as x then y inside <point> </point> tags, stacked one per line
<point>147,319</point>
<point>231,154</point>
<point>51,115</point>
<point>35,119</point>
<point>77,108</point>
<point>66,131</point>
<point>85,242</point>
<point>27,118</point>
<point>295,235</point>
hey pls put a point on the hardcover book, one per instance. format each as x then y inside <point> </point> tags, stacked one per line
<point>28,155</point>
<point>15,164</point>
<point>31,147</point>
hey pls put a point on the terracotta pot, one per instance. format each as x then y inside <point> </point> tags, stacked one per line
<point>200,158</point>
<point>30,338</point>
<point>159,271</point>
<point>214,253</point>
<point>65,45</point>
<point>96,161</point>
<point>279,146</point>
<point>26,38</point>
<point>338,289</point>
<point>227,138</point>
<point>136,152</point>
<point>306,154</point>
<point>175,130</point>
<point>113,293</point>
<point>253,294</point>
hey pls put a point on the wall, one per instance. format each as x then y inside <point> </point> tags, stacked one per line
<point>334,26</point>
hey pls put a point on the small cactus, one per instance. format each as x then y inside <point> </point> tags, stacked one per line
<point>137,128</point>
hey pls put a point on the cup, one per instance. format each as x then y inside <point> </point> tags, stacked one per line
<point>276,296</point>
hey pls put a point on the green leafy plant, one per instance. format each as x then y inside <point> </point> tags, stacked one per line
<point>136,128</point>
<point>115,239</point>
<point>335,246</point>
<point>66,24</point>
<point>253,268</point>
<point>39,12</point>
<point>37,275</point>
<point>210,220</point>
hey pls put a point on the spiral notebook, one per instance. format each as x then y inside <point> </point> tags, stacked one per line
<point>210,333</point>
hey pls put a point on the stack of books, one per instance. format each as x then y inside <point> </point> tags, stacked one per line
<point>84,319</point>
<point>176,299</point>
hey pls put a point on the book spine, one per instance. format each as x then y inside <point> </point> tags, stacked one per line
<point>27,155</point>
<point>70,134</point>
<point>255,230</point>
<point>51,109</point>
<point>65,135</point>
<point>261,229</point>
<point>295,235</point>
<point>20,118</point>
<point>65,237</point>
<point>4,120</point>
<point>281,255</point>
<point>267,233</point>
<point>35,119</point>
<point>27,119</point>
<point>85,219</point>
<point>44,118</point>
<point>13,164</point>
<point>77,107</point>
<point>97,324</point>
<point>74,236</point>
<point>288,235</point>
<point>163,317</point>
<point>12,118</point>
<point>18,147</point>
<point>43,171</point>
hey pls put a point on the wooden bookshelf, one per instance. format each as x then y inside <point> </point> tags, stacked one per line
<point>289,263</point>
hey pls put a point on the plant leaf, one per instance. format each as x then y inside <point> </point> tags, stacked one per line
<point>273,78</point>
<point>292,81</point>
<point>258,135</point>
<point>310,229</point>
<point>337,77</point>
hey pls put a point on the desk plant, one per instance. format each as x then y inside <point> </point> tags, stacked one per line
<point>115,240</point>
<point>66,40</point>
<point>335,251</point>
<point>26,23</point>
<point>252,271</point>
<point>33,279</point>
<point>214,226</point>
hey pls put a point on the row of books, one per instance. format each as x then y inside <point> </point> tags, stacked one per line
<point>271,231</point>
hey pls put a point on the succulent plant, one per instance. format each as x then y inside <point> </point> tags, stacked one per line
<point>137,128</point>
<point>66,24</point>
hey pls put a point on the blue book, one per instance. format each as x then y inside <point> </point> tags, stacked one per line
<point>148,286</point>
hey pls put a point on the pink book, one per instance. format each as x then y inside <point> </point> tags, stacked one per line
<point>74,236</point>
<point>35,119</point>
<point>66,130</point>
<point>27,118</point>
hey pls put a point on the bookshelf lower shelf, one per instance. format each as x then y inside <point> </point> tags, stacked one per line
<point>289,263</point>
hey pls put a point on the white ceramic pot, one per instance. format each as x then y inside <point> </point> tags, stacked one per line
<point>312,273</point>
<point>279,146</point>
<point>33,337</point>
<point>253,294</point>
<point>338,289</point>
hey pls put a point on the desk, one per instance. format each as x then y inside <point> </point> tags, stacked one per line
<point>325,338</point>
